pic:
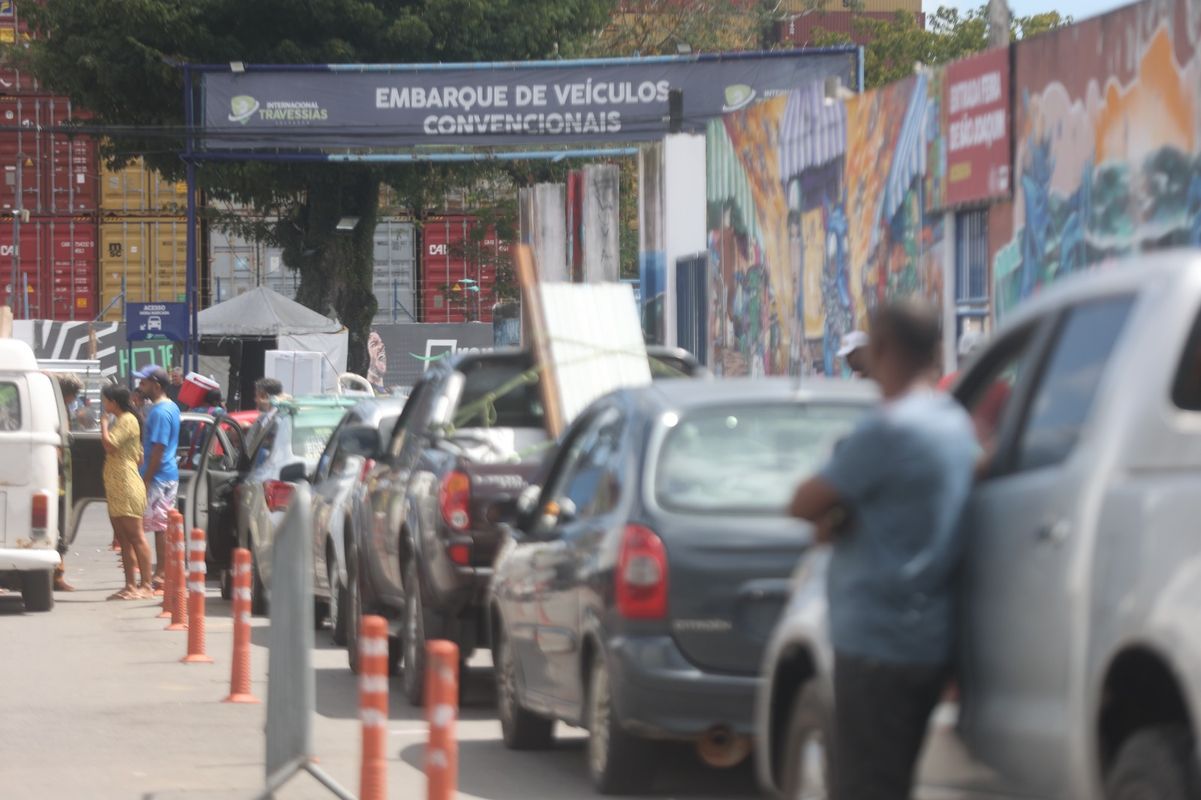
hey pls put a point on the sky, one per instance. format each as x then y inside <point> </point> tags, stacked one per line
<point>1077,9</point>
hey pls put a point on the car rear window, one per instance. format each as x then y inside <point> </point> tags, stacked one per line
<point>10,407</point>
<point>493,397</point>
<point>311,431</point>
<point>747,459</point>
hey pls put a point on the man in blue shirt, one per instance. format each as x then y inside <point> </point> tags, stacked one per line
<point>889,502</point>
<point>160,439</point>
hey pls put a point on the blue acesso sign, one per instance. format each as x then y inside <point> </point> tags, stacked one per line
<point>156,321</point>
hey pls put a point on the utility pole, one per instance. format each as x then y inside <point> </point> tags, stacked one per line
<point>998,23</point>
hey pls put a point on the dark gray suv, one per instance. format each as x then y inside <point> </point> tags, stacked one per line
<point>635,595</point>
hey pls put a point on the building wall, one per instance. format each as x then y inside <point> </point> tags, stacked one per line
<point>817,213</point>
<point>1107,145</point>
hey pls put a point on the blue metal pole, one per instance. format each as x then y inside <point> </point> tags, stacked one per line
<point>191,291</point>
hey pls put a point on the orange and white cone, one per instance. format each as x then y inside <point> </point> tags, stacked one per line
<point>373,707</point>
<point>239,670</point>
<point>196,572</point>
<point>179,580</point>
<point>442,710</point>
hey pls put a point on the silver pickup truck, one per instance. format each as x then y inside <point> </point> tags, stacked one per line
<point>1080,648</point>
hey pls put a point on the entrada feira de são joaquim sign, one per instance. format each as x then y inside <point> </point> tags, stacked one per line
<point>976,126</point>
<point>543,103</point>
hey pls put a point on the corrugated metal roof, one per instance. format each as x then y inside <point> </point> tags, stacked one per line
<point>805,7</point>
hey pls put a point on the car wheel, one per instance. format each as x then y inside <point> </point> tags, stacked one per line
<point>413,636</point>
<point>618,763</point>
<point>258,592</point>
<point>37,590</point>
<point>354,598</point>
<point>338,605</point>
<point>521,729</point>
<point>804,773</point>
<point>1155,764</point>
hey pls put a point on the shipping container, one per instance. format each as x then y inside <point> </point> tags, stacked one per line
<point>458,277</point>
<point>237,265</point>
<point>889,7</point>
<point>51,272</point>
<point>136,189</point>
<point>13,31</point>
<point>142,260</point>
<point>394,281</point>
<point>47,169</point>
<point>802,30</point>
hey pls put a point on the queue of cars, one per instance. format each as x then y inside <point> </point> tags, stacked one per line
<point>640,579</point>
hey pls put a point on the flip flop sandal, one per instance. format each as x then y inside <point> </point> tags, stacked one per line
<point>121,595</point>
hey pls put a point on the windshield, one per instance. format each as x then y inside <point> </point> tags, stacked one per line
<point>747,459</point>
<point>495,396</point>
<point>311,431</point>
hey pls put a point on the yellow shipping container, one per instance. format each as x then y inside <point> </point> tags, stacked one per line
<point>800,6</point>
<point>138,190</point>
<point>146,257</point>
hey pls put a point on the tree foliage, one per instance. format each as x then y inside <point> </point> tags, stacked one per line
<point>118,58</point>
<point>896,45</point>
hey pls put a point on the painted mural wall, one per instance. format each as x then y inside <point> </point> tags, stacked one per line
<point>1108,145</point>
<point>817,212</point>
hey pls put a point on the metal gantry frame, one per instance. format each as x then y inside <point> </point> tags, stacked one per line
<point>193,156</point>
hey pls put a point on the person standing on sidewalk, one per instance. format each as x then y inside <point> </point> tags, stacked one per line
<point>889,502</point>
<point>160,473</point>
<point>124,489</point>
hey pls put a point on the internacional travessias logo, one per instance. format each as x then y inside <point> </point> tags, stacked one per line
<point>243,108</point>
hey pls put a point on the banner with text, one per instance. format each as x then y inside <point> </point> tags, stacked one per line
<point>542,103</point>
<point>976,128</point>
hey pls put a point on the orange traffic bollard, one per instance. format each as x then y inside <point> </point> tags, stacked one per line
<point>169,570</point>
<point>373,707</point>
<point>442,709</point>
<point>196,571</point>
<point>179,578</point>
<point>239,670</point>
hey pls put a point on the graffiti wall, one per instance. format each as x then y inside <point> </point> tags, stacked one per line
<point>1107,158</point>
<point>817,212</point>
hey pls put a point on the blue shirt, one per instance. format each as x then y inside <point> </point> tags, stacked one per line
<point>162,427</point>
<point>904,474</point>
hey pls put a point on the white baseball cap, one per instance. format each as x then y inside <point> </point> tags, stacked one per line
<point>969,341</point>
<point>851,342</point>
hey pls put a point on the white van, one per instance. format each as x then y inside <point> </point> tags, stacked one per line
<point>34,439</point>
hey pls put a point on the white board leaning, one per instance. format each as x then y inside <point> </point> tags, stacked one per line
<point>596,343</point>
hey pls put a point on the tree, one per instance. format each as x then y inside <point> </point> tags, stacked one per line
<point>118,58</point>
<point>895,45</point>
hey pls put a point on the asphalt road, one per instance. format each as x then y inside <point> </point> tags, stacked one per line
<point>95,704</point>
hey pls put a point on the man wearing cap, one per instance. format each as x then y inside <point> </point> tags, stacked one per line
<point>159,470</point>
<point>853,350</point>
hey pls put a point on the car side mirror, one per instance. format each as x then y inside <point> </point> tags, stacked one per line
<point>528,499</point>
<point>563,510</point>
<point>294,473</point>
<point>360,440</point>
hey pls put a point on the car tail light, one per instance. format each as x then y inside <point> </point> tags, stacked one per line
<point>454,499</point>
<point>460,554</point>
<point>278,494</point>
<point>39,514</point>
<point>641,575</point>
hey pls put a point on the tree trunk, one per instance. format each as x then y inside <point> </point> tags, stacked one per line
<point>336,267</point>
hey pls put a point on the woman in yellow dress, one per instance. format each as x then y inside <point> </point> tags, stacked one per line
<point>124,489</point>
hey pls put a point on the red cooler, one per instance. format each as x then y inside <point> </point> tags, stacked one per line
<point>195,388</point>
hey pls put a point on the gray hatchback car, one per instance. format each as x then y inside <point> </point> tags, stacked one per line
<point>635,595</point>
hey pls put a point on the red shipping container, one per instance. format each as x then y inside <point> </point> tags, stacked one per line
<point>800,30</point>
<point>458,277</point>
<point>52,273</point>
<point>56,172</point>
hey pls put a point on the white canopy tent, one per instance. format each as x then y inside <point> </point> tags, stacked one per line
<point>267,317</point>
